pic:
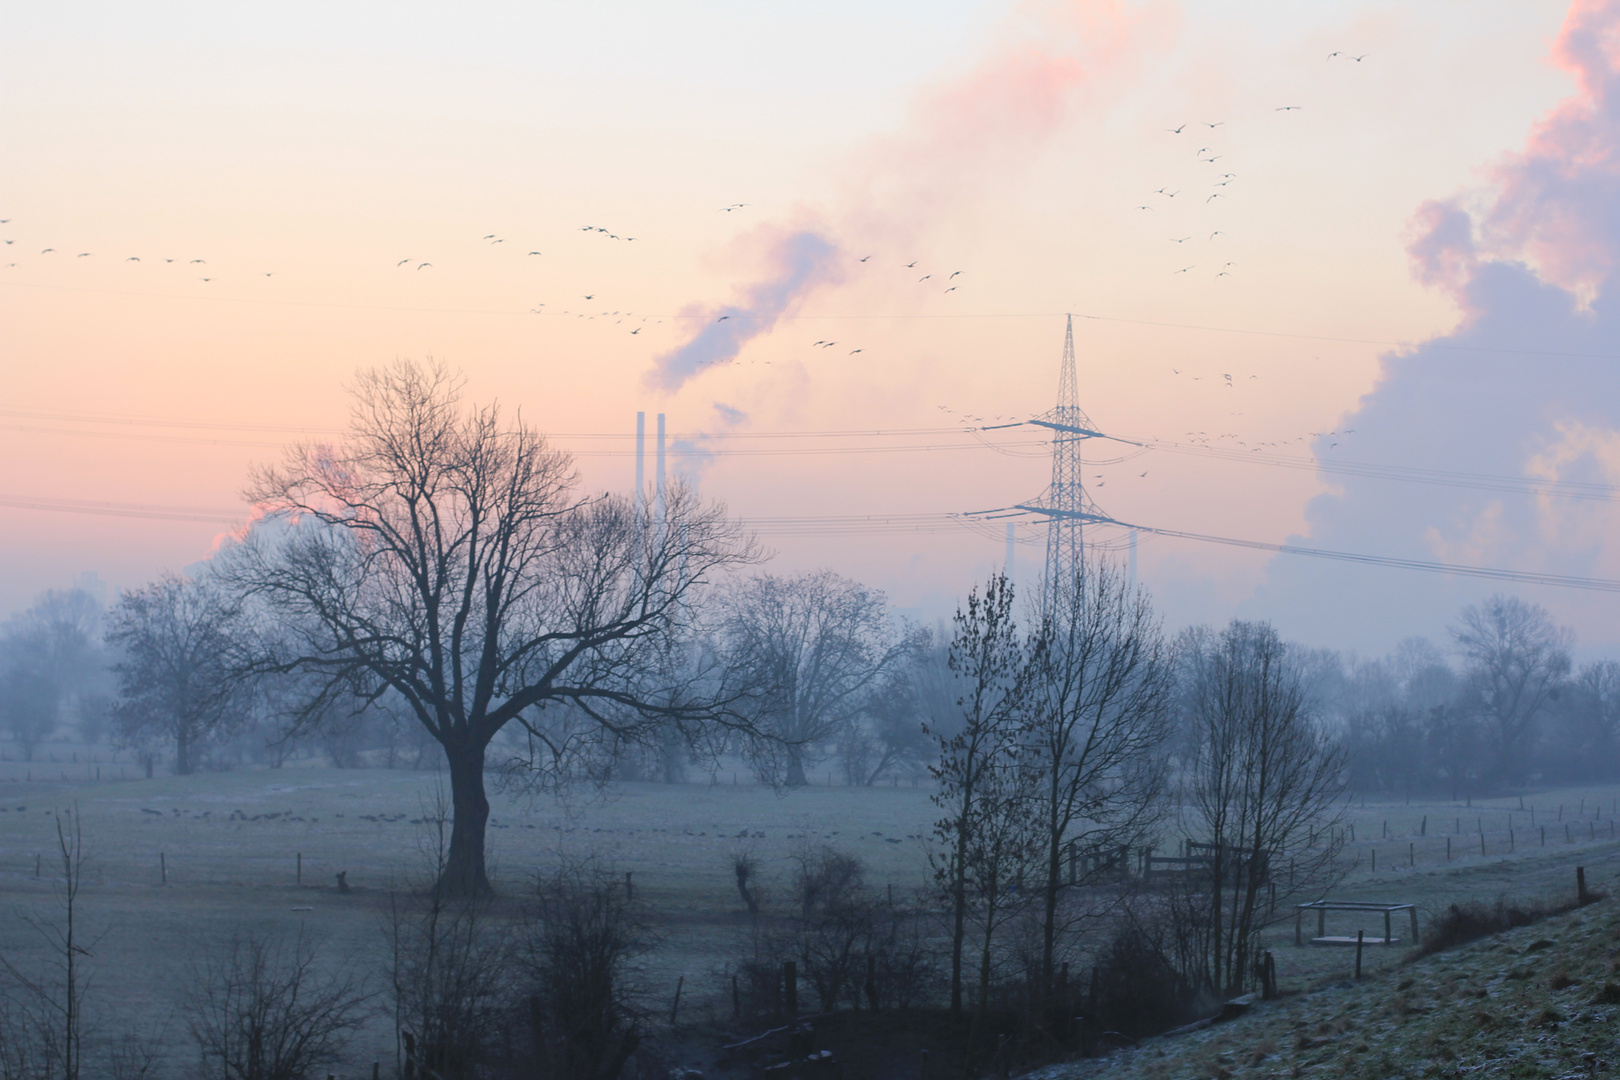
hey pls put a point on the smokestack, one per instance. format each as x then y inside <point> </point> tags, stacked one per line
<point>659,496</point>
<point>641,461</point>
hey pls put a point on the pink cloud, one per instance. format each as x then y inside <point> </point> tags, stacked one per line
<point>987,121</point>
<point>1555,205</point>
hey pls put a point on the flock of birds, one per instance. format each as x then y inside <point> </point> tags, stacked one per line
<point>1221,180</point>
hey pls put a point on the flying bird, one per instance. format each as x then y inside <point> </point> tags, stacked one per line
<point>423,266</point>
<point>1183,239</point>
<point>637,330</point>
<point>924,278</point>
<point>1176,130</point>
<point>1184,269</point>
<point>590,296</point>
<point>722,318</point>
<point>852,352</point>
<point>82,255</point>
<point>1212,197</point>
<point>196,261</point>
<point>863,260</point>
<point>132,258</point>
<point>1334,53</point>
<point>1207,124</point>
<point>491,236</point>
<point>47,251</point>
<point>911,264</point>
<point>951,289</point>
<point>1287,108</point>
<point>534,253</point>
<point>402,262</point>
<point>1216,233</point>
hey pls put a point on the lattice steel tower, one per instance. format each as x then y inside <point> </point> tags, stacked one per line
<point>1065,503</point>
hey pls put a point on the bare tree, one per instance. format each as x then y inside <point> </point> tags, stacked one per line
<point>583,938</point>
<point>452,967</point>
<point>49,659</point>
<point>445,555</point>
<point>1515,658</point>
<point>989,665</point>
<point>178,641</point>
<point>43,1019</point>
<point>812,647</point>
<point>262,1009</point>
<point>1265,780</point>
<point>1096,728</point>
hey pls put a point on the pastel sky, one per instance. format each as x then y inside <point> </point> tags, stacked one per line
<point>1396,218</point>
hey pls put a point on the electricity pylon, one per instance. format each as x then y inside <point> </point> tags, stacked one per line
<point>1065,503</point>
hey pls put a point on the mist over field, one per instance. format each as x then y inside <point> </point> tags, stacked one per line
<point>1060,539</point>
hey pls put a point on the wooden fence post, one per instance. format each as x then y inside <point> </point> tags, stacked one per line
<point>1358,952</point>
<point>1580,886</point>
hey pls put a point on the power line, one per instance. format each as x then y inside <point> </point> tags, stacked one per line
<point>865,316</point>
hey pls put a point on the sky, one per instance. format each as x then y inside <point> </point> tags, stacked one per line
<point>1346,266</point>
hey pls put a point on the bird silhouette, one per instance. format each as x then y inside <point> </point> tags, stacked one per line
<point>590,296</point>
<point>402,262</point>
<point>1359,59</point>
<point>1287,108</point>
<point>1213,197</point>
<point>83,255</point>
<point>1184,269</point>
<point>491,236</point>
<point>1182,240</point>
<point>924,278</point>
<point>133,258</point>
<point>534,253</point>
<point>47,251</point>
<point>722,318</point>
<point>911,264</point>
<point>424,266</point>
<point>953,275</point>
<point>1177,130</point>
<point>951,289</point>
<point>1207,124</point>
<point>852,352</point>
<point>1144,474</point>
<point>863,260</point>
<point>1144,207</point>
<point>194,262</point>
<point>1331,55</point>
<point>637,330</point>
<point>1216,233</point>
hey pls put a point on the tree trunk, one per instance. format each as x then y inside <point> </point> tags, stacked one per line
<point>182,754</point>
<point>463,874</point>
<point>795,767</point>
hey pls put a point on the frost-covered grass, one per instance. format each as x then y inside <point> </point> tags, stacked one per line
<point>1537,1001</point>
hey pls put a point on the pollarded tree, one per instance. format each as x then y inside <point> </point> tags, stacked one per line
<point>445,557</point>
<point>179,640</point>
<point>811,648</point>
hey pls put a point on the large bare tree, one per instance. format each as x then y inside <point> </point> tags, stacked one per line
<point>1516,657</point>
<point>812,648</point>
<point>179,641</point>
<point>447,556</point>
<point>1096,730</point>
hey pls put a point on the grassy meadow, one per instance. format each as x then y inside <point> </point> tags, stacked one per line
<point>230,846</point>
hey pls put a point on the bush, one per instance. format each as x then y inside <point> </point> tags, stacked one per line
<point>1459,924</point>
<point>262,1011</point>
